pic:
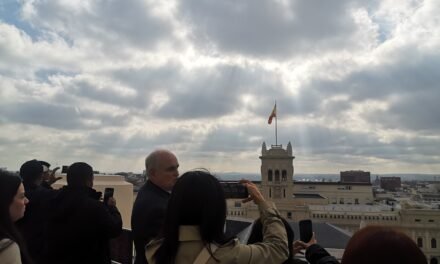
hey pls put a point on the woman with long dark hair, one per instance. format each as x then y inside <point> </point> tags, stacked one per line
<point>12,206</point>
<point>193,230</point>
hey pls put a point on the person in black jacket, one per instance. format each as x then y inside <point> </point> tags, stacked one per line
<point>315,254</point>
<point>32,225</point>
<point>151,202</point>
<point>372,244</point>
<point>80,226</point>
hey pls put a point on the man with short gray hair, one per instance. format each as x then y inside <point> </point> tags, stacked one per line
<point>151,202</point>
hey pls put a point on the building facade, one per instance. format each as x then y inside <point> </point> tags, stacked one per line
<point>354,176</point>
<point>348,204</point>
<point>390,183</point>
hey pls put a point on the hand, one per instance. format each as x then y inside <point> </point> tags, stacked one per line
<point>111,201</point>
<point>254,192</point>
<point>299,245</point>
<point>52,179</point>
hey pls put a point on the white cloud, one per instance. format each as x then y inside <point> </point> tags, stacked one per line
<point>356,83</point>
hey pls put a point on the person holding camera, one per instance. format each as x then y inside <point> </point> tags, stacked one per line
<point>80,226</point>
<point>32,225</point>
<point>193,230</point>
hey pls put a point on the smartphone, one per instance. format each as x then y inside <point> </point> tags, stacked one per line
<point>234,190</point>
<point>305,230</point>
<point>108,192</point>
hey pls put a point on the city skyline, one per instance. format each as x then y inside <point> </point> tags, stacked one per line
<point>106,82</point>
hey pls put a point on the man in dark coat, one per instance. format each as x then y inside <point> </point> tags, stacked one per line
<point>80,226</point>
<point>32,225</point>
<point>151,202</point>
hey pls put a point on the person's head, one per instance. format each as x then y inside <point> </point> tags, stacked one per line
<point>198,200</point>
<point>382,245</point>
<point>46,171</point>
<point>256,235</point>
<point>12,199</point>
<point>80,174</point>
<point>32,172</point>
<point>162,168</point>
<point>12,206</point>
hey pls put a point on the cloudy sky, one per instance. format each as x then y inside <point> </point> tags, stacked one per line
<point>357,83</point>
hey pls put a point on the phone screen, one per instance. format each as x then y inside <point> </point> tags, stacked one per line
<point>234,190</point>
<point>305,230</point>
<point>108,192</point>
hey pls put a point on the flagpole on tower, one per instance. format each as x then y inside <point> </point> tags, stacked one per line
<point>276,125</point>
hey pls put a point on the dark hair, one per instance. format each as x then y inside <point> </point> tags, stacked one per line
<point>197,199</point>
<point>380,245</point>
<point>9,184</point>
<point>31,171</point>
<point>256,235</point>
<point>78,174</point>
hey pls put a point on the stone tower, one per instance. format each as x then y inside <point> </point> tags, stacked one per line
<point>277,172</point>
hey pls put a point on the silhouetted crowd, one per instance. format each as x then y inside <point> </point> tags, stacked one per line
<point>174,220</point>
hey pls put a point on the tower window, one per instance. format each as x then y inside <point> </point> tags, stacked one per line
<point>420,242</point>
<point>433,243</point>
<point>284,175</point>
<point>277,175</point>
<point>269,175</point>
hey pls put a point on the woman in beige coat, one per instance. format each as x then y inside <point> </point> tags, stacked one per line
<point>194,224</point>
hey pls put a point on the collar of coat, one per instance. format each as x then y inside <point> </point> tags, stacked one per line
<point>189,233</point>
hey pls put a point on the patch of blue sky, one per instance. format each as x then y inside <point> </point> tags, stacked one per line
<point>44,74</point>
<point>385,29</point>
<point>10,14</point>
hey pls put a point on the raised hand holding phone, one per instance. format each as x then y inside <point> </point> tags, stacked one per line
<point>108,197</point>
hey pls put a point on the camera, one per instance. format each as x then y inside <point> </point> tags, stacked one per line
<point>234,190</point>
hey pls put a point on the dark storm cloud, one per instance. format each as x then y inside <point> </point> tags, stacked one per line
<point>271,28</point>
<point>57,116</point>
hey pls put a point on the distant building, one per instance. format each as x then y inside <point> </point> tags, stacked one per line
<point>355,176</point>
<point>347,204</point>
<point>390,183</point>
<point>376,181</point>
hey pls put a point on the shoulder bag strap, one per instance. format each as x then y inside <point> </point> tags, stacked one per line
<point>204,255</point>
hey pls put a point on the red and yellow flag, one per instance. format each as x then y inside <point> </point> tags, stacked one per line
<point>273,114</point>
